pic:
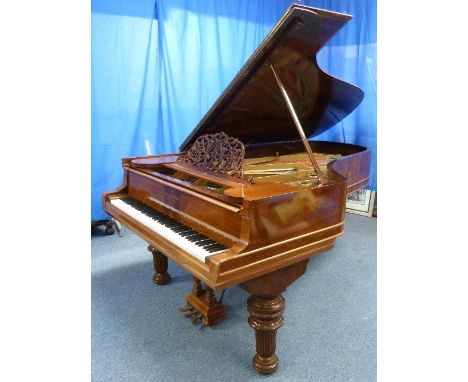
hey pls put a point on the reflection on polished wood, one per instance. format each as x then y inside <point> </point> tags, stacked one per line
<point>255,219</point>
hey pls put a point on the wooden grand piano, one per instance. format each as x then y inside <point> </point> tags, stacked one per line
<point>249,198</point>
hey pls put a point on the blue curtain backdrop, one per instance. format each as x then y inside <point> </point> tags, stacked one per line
<point>157,67</point>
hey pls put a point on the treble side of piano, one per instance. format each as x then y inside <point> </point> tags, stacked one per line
<point>217,220</point>
<point>193,265</point>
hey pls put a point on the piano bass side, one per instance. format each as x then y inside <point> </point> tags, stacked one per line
<point>276,215</point>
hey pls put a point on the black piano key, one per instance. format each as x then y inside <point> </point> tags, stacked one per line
<point>162,217</point>
<point>215,246</point>
<point>183,230</point>
<point>170,223</point>
<point>190,231</point>
<point>211,246</point>
<point>202,243</point>
<point>179,230</point>
<point>165,219</point>
<point>196,238</point>
<point>194,233</point>
<point>186,234</point>
<point>220,248</point>
<point>215,249</point>
<point>199,241</point>
<point>177,224</point>
<point>210,242</point>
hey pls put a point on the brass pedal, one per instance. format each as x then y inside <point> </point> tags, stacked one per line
<point>190,313</point>
<point>185,308</point>
<point>197,318</point>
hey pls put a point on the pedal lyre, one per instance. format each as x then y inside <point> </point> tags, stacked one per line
<point>202,305</point>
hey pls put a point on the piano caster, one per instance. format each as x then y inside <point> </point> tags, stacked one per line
<point>107,223</point>
<point>202,306</point>
<point>109,227</point>
<point>161,276</point>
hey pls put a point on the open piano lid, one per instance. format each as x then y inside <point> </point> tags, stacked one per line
<point>252,108</point>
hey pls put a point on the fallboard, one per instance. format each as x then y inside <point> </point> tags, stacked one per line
<point>221,221</point>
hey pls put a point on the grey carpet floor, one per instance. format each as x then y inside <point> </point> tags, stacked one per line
<point>330,319</point>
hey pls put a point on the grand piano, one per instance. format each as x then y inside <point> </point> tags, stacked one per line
<point>250,197</point>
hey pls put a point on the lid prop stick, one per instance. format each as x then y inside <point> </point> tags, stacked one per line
<point>299,127</point>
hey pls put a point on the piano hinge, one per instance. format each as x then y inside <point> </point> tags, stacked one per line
<point>297,123</point>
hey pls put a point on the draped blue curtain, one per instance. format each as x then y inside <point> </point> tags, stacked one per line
<point>124,90</point>
<point>157,67</point>
<point>352,56</point>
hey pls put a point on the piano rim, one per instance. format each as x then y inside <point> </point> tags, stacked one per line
<point>207,272</point>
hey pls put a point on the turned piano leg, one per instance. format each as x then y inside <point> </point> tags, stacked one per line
<point>161,276</point>
<point>266,307</point>
<point>266,317</point>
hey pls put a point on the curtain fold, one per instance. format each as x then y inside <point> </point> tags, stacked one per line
<point>124,90</point>
<point>352,56</point>
<point>203,46</point>
<point>205,43</point>
<point>158,66</point>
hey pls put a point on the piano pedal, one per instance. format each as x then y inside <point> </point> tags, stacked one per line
<point>185,308</point>
<point>197,318</point>
<point>190,313</point>
<point>203,307</point>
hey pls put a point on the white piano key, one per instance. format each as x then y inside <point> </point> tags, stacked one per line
<point>164,231</point>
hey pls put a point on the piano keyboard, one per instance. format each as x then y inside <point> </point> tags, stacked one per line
<point>191,241</point>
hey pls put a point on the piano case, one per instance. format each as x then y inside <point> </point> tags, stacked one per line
<point>249,183</point>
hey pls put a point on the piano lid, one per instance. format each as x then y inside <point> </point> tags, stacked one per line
<point>252,107</point>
